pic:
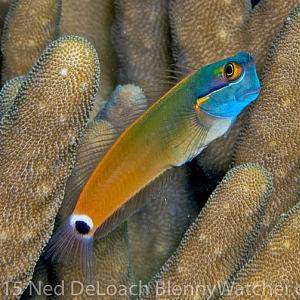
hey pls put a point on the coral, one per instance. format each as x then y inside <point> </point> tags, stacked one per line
<point>126,103</point>
<point>199,32</point>
<point>272,137</point>
<point>158,228</point>
<point>39,282</point>
<point>138,28</point>
<point>9,92</point>
<point>232,27</point>
<point>112,252</point>
<point>218,242</point>
<point>274,271</point>
<point>29,27</point>
<point>92,19</point>
<point>38,141</point>
<point>4,5</point>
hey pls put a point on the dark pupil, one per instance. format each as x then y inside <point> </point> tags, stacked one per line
<point>229,70</point>
<point>82,227</point>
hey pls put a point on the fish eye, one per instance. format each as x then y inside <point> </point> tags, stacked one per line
<point>232,71</point>
<point>229,70</point>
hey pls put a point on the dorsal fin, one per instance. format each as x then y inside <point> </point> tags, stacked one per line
<point>181,71</point>
<point>99,137</point>
<point>126,104</point>
<point>164,82</point>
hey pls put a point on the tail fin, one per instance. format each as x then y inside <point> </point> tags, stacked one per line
<point>68,246</point>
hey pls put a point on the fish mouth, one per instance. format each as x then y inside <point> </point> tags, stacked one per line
<point>254,93</point>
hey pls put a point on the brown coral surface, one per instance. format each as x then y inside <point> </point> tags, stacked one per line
<point>274,271</point>
<point>147,36</point>
<point>232,27</point>
<point>272,137</point>
<point>37,146</point>
<point>9,93</point>
<point>92,19</point>
<point>218,242</point>
<point>29,27</point>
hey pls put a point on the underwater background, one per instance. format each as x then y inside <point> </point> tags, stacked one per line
<point>226,224</point>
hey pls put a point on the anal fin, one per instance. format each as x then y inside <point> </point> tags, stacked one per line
<point>143,197</point>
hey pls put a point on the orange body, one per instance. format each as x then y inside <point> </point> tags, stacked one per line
<point>141,154</point>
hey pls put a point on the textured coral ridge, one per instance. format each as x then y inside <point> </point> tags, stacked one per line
<point>39,135</point>
<point>220,238</point>
<point>9,93</point>
<point>92,19</point>
<point>274,271</point>
<point>201,32</point>
<point>111,252</point>
<point>30,25</point>
<point>224,28</point>
<point>272,137</point>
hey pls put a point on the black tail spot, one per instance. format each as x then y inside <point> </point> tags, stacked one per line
<point>82,227</point>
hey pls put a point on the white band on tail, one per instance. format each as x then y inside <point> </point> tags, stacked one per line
<point>84,218</point>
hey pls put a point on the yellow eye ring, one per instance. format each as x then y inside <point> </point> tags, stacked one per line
<point>232,71</point>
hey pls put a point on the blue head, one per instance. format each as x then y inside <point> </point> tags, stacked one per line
<point>231,84</point>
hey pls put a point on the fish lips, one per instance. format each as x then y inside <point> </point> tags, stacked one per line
<point>249,96</point>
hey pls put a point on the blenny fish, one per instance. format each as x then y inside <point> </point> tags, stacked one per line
<point>199,109</point>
